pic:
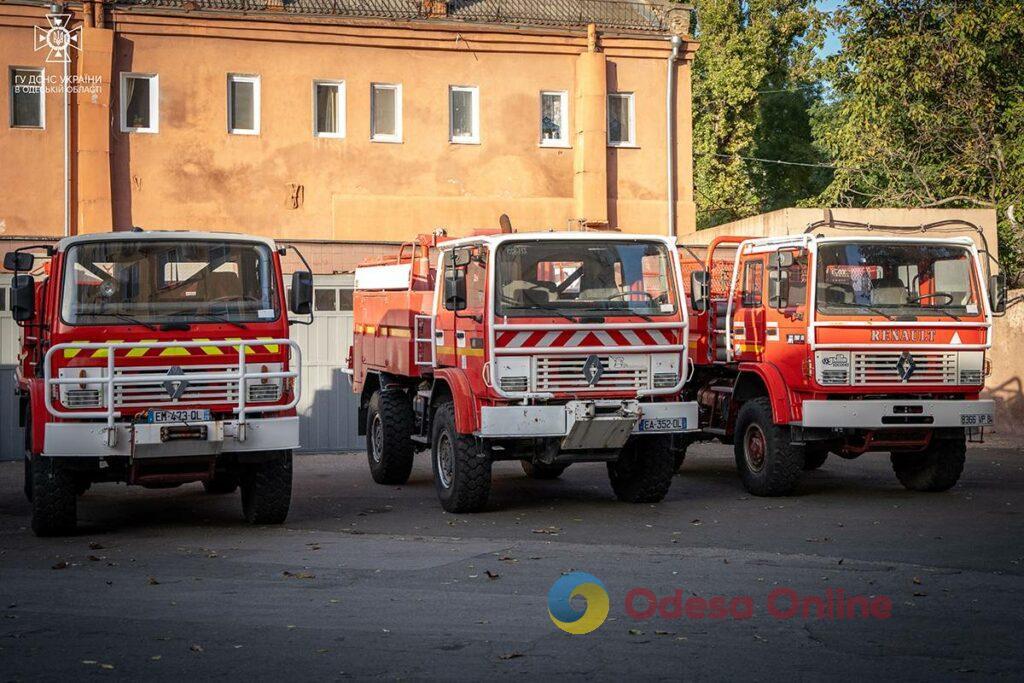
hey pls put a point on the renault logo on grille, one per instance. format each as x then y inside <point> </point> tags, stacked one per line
<point>905,366</point>
<point>592,370</point>
<point>173,388</point>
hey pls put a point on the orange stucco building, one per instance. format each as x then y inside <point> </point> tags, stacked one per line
<point>340,123</point>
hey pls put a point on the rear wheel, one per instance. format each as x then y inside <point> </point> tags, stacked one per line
<point>937,468</point>
<point>267,489</point>
<point>462,475</point>
<point>814,457</point>
<point>389,448</point>
<point>537,470</point>
<point>768,464</point>
<point>54,498</point>
<point>222,483</point>
<point>643,473</point>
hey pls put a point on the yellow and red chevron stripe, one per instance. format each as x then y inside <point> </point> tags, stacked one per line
<point>151,352</point>
<point>638,337</point>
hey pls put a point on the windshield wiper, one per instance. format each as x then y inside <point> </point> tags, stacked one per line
<point>126,318</point>
<point>942,309</point>
<point>875,310</point>
<point>550,309</point>
<point>213,316</point>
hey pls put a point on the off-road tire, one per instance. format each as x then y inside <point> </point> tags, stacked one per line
<point>54,499</point>
<point>221,484</point>
<point>936,468</point>
<point>780,463</point>
<point>538,470</point>
<point>267,489</point>
<point>814,457</point>
<point>644,470</point>
<point>679,447</point>
<point>392,410</point>
<point>468,483</point>
<point>28,478</point>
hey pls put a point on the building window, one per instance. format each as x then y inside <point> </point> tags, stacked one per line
<point>386,112</point>
<point>464,114</point>
<point>140,98</point>
<point>621,120</point>
<point>554,119</point>
<point>27,101</point>
<point>243,104</point>
<point>329,109</point>
<point>325,300</point>
<point>345,300</point>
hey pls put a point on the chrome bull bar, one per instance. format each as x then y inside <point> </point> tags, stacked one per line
<point>111,379</point>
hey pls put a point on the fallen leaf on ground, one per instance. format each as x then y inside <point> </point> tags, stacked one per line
<point>60,565</point>
<point>492,575</point>
<point>511,655</point>
<point>95,546</point>
<point>153,581</point>
<point>196,648</point>
<point>298,575</point>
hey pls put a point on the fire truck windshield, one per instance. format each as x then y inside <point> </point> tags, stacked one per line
<point>149,282</point>
<point>574,277</point>
<point>895,280</point>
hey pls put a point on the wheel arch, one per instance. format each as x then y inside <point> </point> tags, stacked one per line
<point>761,379</point>
<point>453,382</point>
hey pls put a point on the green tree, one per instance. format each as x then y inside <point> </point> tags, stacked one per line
<point>926,109</point>
<point>752,96</point>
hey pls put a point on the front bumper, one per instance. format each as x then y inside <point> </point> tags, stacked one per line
<point>587,424</point>
<point>141,440</point>
<point>897,414</point>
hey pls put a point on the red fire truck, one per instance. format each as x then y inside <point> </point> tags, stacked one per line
<point>547,348</point>
<point>808,345</point>
<point>156,358</point>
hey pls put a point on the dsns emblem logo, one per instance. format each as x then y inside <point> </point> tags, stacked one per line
<point>568,618</point>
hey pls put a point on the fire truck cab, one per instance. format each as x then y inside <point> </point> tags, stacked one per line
<point>808,345</point>
<point>156,358</point>
<point>548,348</point>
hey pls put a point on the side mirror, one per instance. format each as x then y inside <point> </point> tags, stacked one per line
<point>780,283</point>
<point>786,259</point>
<point>460,258</point>
<point>19,261</point>
<point>997,293</point>
<point>700,290</point>
<point>455,289</point>
<point>23,297</point>
<point>301,299</point>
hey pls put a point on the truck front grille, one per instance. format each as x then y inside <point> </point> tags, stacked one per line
<point>565,374</point>
<point>882,368</point>
<point>154,393</point>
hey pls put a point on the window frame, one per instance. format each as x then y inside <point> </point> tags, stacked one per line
<point>562,142</point>
<point>474,95</point>
<point>154,102</point>
<point>631,99</point>
<point>753,298</point>
<point>396,137</point>
<point>42,96</point>
<point>245,78</point>
<point>340,119</point>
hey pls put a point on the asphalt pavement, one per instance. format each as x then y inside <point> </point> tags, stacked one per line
<point>368,581</point>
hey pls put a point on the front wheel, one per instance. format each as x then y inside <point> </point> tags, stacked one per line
<point>54,498</point>
<point>937,468</point>
<point>769,465</point>
<point>643,473</point>
<point>462,475</point>
<point>267,489</point>
<point>538,470</point>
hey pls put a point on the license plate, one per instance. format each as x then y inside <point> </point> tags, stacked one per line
<point>975,420</point>
<point>178,416</point>
<point>662,424</point>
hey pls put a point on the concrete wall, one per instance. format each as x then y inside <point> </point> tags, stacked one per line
<point>287,183</point>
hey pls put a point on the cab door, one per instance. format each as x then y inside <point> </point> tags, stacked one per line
<point>459,330</point>
<point>748,323</point>
<point>786,312</point>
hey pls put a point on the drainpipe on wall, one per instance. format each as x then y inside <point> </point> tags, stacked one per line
<point>67,138</point>
<point>670,111</point>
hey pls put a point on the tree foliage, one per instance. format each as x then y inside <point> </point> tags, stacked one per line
<point>927,109</point>
<point>752,96</point>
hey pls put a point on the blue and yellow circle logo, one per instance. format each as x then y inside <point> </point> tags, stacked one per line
<point>565,616</point>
